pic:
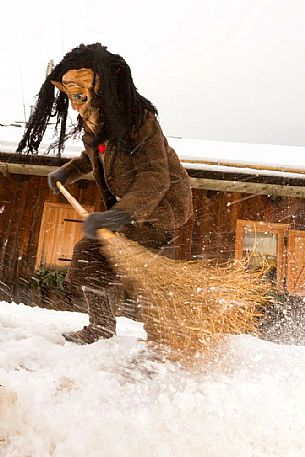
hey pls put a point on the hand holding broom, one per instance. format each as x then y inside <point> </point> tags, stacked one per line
<point>111,220</point>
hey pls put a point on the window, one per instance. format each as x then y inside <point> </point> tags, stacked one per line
<point>59,232</point>
<point>264,244</point>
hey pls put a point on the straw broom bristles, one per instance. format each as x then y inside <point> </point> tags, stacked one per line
<point>188,306</point>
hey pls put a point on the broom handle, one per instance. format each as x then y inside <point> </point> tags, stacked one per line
<point>81,211</point>
<point>77,206</point>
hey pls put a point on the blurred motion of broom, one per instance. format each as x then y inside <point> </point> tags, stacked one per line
<point>185,306</point>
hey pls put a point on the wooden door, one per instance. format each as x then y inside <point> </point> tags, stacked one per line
<point>59,232</point>
<point>296,263</point>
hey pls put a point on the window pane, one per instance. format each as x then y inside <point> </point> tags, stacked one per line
<point>260,248</point>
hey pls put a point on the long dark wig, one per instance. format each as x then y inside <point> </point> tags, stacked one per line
<point>121,108</point>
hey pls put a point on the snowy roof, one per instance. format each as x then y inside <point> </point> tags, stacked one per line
<point>198,154</point>
<point>261,155</point>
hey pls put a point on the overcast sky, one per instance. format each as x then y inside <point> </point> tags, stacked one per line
<point>231,70</point>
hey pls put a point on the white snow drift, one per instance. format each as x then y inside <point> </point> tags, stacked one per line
<point>110,399</point>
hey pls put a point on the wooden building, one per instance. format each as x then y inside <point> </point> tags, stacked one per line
<point>241,209</point>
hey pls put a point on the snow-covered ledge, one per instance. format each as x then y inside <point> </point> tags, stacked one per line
<point>278,161</point>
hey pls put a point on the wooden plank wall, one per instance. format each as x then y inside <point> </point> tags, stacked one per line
<point>216,214</point>
<point>213,233</point>
<point>21,205</point>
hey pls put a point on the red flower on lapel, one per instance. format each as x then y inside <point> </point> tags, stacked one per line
<point>102,148</point>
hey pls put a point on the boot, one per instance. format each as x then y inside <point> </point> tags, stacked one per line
<point>101,318</point>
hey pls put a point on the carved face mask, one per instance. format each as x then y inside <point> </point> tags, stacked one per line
<point>80,86</point>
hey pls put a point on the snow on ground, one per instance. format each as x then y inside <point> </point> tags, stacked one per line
<point>111,399</point>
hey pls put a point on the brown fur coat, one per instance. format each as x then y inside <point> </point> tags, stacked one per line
<point>150,183</point>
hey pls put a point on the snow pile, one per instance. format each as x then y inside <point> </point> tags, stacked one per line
<point>111,399</point>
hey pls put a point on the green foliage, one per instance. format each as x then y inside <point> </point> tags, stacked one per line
<point>47,279</point>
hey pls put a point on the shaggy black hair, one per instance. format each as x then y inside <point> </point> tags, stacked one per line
<point>121,107</point>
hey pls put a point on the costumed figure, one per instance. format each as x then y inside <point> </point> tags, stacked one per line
<point>145,190</point>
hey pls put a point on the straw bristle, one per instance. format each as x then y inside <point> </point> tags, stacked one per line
<point>188,306</point>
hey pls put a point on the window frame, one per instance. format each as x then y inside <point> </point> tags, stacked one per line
<point>280,230</point>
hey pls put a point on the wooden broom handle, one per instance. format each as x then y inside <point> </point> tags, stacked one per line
<point>77,206</point>
<point>103,232</point>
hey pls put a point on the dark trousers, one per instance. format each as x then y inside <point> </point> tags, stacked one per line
<point>90,269</point>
